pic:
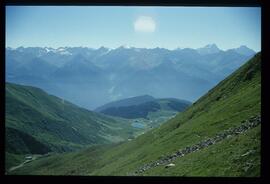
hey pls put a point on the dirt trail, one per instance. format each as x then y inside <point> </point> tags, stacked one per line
<point>34,157</point>
<point>18,166</point>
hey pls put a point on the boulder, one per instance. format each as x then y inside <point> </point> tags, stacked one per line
<point>170,165</point>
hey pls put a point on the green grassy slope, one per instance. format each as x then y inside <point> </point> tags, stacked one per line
<point>235,99</point>
<point>12,160</point>
<point>33,116</point>
<point>20,143</point>
<point>236,156</point>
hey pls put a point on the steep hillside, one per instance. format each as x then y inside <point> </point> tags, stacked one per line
<point>18,142</point>
<point>226,108</point>
<point>35,119</point>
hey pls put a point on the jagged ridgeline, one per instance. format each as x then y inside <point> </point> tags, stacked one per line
<point>225,108</point>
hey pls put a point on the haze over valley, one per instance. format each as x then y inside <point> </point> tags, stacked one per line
<point>92,77</point>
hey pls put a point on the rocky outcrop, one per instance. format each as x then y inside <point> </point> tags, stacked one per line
<point>170,165</point>
<point>246,125</point>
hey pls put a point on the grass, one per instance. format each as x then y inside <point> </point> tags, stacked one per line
<point>12,160</point>
<point>236,156</point>
<point>20,143</point>
<point>66,163</point>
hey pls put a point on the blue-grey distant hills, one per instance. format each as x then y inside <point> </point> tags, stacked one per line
<point>141,106</point>
<point>92,77</point>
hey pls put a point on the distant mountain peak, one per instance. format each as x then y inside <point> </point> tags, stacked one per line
<point>61,48</point>
<point>10,48</point>
<point>49,49</point>
<point>209,49</point>
<point>103,48</point>
<point>243,46</point>
<point>244,50</point>
<point>178,48</point>
<point>124,47</point>
<point>213,45</point>
<point>63,51</point>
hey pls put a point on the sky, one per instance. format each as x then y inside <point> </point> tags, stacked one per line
<point>137,26</point>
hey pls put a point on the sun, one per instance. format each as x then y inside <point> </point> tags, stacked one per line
<point>145,24</point>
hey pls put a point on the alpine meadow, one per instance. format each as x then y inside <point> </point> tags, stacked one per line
<point>140,91</point>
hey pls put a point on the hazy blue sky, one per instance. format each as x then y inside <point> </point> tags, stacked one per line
<point>168,27</point>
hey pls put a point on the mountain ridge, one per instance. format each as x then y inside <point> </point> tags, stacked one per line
<point>126,102</point>
<point>112,74</point>
<point>105,48</point>
<point>141,106</point>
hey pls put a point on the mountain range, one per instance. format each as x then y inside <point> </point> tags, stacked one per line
<point>92,77</point>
